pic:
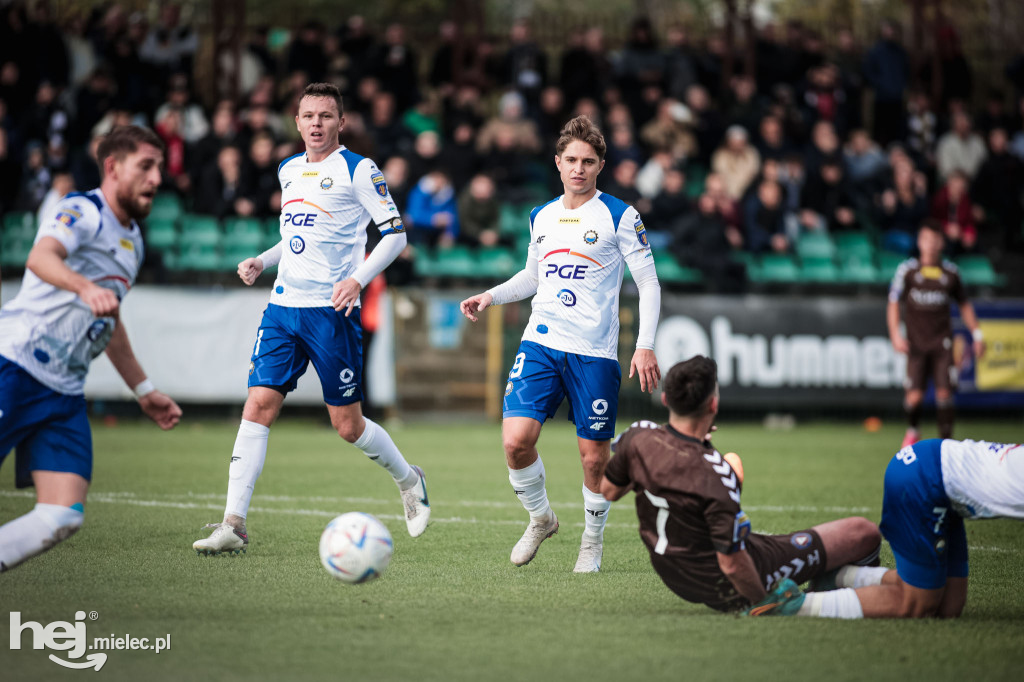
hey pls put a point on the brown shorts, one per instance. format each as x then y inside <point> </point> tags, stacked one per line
<point>800,556</point>
<point>936,363</point>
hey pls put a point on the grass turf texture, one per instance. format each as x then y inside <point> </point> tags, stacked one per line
<point>451,606</point>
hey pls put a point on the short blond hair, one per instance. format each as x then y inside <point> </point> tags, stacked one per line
<point>582,129</point>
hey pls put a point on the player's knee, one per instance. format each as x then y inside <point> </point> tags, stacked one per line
<point>516,447</point>
<point>593,463</point>
<point>867,533</point>
<point>350,429</point>
<point>260,410</point>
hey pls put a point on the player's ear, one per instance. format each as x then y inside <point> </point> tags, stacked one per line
<point>109,164</point>
<point>664,399</point>
<point>601,167</point>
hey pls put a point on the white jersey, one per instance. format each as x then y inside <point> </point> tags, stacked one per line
<point>579,256</point>
<point>325,209</point>
<point>984,480</point>
<point>50,332</point>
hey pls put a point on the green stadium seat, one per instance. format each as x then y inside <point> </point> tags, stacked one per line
<point>514,219</point>
<point>14,248</point>
<point>245,241</point>
<point>887,264</point>
<point>232,255</point>
<point>200,230</point>
<point>775,267</point>
<point>497,263</point>
<point>672,271</point>
<point>977,270</point>
<point>815,246</point>
<point>856,246</point>
<point>424,263</point>
<point>166,206</point>
<point>819,270</point>
<point>161,235</point>
<point>233,226</point>
<point>856,271</point>
<point>201,257</point>
<point>20,222</point>
<point>456,261</point>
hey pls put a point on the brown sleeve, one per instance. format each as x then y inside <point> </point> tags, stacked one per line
<point>722,511</point>
<point>617,469</point>
<point>956,291</point>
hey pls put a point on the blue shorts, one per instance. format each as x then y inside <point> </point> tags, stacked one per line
<point>541,377</point>
<point>290,338</point>
<point>925,533</point>
<point>49,429</point>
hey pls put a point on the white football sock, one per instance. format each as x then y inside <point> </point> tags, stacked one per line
<point>378,446</point>
<point>596,515</point>
<point>247,458</point>
<point>842,603</point>
<point>528,484</point>
<point>36,532</point>
<point>860,576</point>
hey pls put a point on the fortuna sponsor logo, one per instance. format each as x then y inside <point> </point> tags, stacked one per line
<point>933,298</point>
<point>569,221</point>
<point>310,174</point>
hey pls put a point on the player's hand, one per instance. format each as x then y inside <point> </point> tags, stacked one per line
<point>161,408</point>
<point>102,302</point>
<point>645,365</point>
<point>900,345</point>
<point>346,295</point>
<point>979,349</point>
<point>475,304</point>
<point>250,269</point>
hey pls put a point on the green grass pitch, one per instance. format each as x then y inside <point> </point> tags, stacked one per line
<point>451,606</point>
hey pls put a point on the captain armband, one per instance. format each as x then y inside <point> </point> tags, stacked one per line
<point>740,529</point>
<point>392,226</point>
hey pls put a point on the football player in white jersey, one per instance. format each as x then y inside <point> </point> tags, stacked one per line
<point>930,488</point>
<point>580,244</point>
<point>85,259</point>
<point>328,196</point>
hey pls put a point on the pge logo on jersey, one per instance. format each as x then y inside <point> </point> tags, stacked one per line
<point>299,219</point>
<point>566,271</point>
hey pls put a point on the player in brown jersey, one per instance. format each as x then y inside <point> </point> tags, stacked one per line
<point>925,286</point>
<point>688,504</point>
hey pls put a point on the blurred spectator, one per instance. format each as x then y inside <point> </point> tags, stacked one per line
<point>425,114</point>
<point>849,60</point>
<point>922,127</point>
<point>169,45</point>
<point>551,115</point>
<point>306,52</point>
<point>954,77</point>
<point>510,124</point>
<point>459,155</point>
<point>168,127</point>
<point>525,66</point>
<point>961,149</point>
<point>864,162</point>
<point>35,178</point>
<point>622,183</point>
<point>997,190</point>
<point>742,106</point>
<point>464,106</point>
<point>765,219</point>
<point>221,192</point>
<point>585,70</point>
<point>45,118</point>
<point>84,168</point>
<point>622,146</point>
<point>396,175</point>
<point>704,241</point>
<point>824,147</point>
<point>651,176</point>
<point>772,142</point>
<point>426,155</point>
<point>707,124</point>
<point>680,65</point>
<point>194,125</point>
<point>668,208</point>
<point>826,202</point>
<point>433,211</point>
<point>640,65</point>
<point>737,161</point>
<point>443,67</point>
<point>63,184</point>
<point>91,103</point>
<point>80,53</point>
<point>389,135</point>
<point>887,72</point>
<point>952,205</point>
<point>10,175</point>
<point>669,131</point>
<point>904,206</point>
<point>824,98</point>
<point>396,67</point>
<point>262,186</point>
<point>359,44</point>
<point>995,115</point>
<point>479,213</point>
<point>137,85</point>
<point>726,206</point>
<point>223,132</point>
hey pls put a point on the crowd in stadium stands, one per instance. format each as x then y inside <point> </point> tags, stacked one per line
<point>718,169</point>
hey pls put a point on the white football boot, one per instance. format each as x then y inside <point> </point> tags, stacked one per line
<point>224,538</point>
<point>417,505</point>
<point>589,560</point>
<point>537,532</point>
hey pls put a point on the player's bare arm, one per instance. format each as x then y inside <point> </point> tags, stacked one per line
<point>475,304</point>
<point>892,318</point>
<point>970,319</point>
<point>739,568</point>
<point>46,261</point>
<point>611,491</point>
<point>156,405</point>
<point>645,365</point>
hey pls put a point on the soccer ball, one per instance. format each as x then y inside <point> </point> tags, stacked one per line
<point>355,547</point>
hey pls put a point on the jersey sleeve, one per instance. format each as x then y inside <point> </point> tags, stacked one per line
<point>897,287</point>
<point>632,239</point>
<point>74,221</point>
<point>372,192</point>
<point>722,511</point>
<point>956,287</point>
<point>617,469</point>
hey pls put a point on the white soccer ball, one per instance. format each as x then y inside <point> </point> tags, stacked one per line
<point>355,547</point>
